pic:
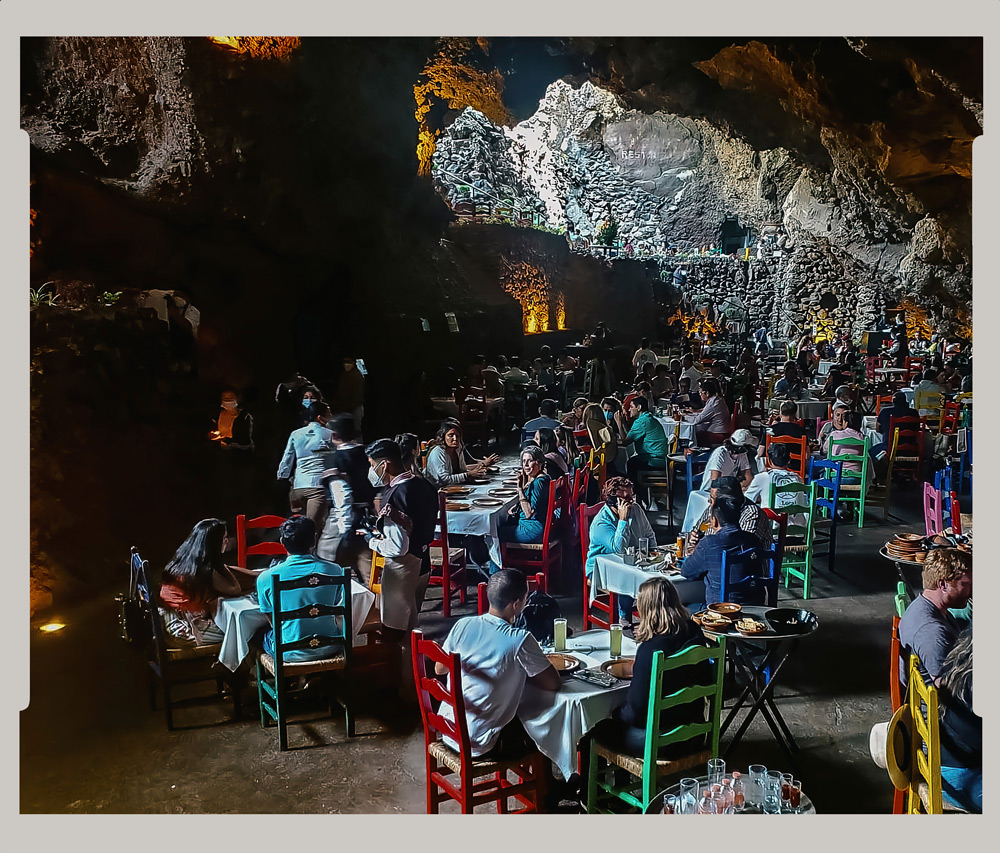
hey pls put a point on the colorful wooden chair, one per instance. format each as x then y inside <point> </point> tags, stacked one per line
<point>933,510</point>
<point>797,558</point>
<point>798,451</point>
<point>604,602</point>
<point>853,483</point>
<point>266,549</point>
<point>532,558</point>
<point>448,565</point>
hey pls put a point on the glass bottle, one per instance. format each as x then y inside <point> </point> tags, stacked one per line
<point>739,791</point>
<point>728,796</point>
<point>707,804</point>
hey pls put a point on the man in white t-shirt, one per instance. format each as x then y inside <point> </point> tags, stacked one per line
<point>689,370</point>
<point>731,459</point>
<point>497,660</point>
<point>643,355</point>
<point>759,489</point>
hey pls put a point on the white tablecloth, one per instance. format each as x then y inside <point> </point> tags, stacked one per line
<point>448,406</point>
<point>697,503</point>
<point>669,425</point>
<point>824,367</point>
<point>806,408</point>
<point>482,521</point>
<point>240,618</point>
<point>556,720</point>
<point>612,575</point>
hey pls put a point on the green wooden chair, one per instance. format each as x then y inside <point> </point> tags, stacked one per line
<point>854,484</point>
<point>274,672</point>
<point>797,561</point>
<point>902,599</point>
<point>634,780</point>
<point>881,495</point>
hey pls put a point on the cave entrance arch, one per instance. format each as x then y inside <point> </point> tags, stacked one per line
<point>733,236</point>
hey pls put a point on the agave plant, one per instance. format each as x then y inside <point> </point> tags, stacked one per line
<point>42,295</point>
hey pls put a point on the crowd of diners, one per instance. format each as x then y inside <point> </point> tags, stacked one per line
<point>349,499</point>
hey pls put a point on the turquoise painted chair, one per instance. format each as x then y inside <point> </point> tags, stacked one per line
<point>853,484</point>
<point>797,561</point>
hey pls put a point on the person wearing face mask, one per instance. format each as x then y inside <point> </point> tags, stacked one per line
<point>305,459</point>
<point>311,398</point>
<point>403,530</point>
<point>233,426</point>
<point>233,436</point>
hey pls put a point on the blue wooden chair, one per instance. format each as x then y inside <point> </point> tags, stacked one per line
<point>692,459</point>
<point>826,474</point>
<point>764,580</point>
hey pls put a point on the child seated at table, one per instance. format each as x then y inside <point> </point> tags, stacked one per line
<point>665,626</point>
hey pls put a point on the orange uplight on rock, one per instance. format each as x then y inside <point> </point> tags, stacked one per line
<point>51,627</point>
<point>259,47</point>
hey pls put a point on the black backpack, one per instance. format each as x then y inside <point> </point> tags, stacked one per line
<point>540,611</point>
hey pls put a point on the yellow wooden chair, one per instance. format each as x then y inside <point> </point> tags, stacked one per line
<point>924,793</point>
<point>932,402</point>
<point>374,578</point>
<point>598,465</point>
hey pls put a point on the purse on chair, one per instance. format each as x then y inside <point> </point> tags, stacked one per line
<point>133,624</point>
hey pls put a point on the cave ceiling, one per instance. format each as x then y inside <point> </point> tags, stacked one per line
<point>292,147</point>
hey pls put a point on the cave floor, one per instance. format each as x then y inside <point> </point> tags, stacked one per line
<point>90,744</point>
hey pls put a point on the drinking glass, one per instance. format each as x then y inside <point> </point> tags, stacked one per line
<point>795,798</point>
<point>670,803</point>
<point>716,770</point>
<point>755,789</point>
<point>559,634</point>
<point>772,792</point>
<point>616,641</point>
<point>719,799</point>
<point>688,797</point>
<point>643,548</point>
<point>786,791</point>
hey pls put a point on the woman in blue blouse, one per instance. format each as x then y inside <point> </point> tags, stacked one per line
<point>526,523</point>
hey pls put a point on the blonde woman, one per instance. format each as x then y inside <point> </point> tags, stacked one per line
<point>664,626</point>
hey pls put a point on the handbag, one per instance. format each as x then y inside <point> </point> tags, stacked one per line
<point>133,611</point>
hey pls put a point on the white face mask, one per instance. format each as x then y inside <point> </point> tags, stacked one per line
<point>374,478</point>
<point>228,404</point>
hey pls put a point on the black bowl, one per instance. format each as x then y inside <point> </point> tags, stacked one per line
<point>788,620</point>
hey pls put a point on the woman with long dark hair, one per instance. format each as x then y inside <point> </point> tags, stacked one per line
<point>446,464</point>
<point>555,465</point>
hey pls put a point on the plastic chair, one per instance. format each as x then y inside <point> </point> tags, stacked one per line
<point>532,558</point>
<point>643,773</point>
<point>483,601</point>
<point>443,761</point>
<point>908,433</point>
<point>169,665</point>
<point>747,590</point>
<point>933,511</point>
<point>827,475</point>
<point>797,559</point>
<point>269,549</point>
<point>448,565</point>
<point>604,602</point>
<point>798,451</point>
<point>273,671</point>
<point>853,483</point>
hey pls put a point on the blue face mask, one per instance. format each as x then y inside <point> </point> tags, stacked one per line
<point>308,402</point>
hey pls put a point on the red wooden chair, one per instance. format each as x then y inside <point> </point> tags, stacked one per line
<point>581,484</point>
<point>604,602</point>
<point>909,448</point>
<point>483,602</point>
<point>798,449</point>
<point>955,515</point>
<point>443,761</point>
<point>950,416</point>
<point>262,522</point>
<point>533,558</point>
<point>734,420</point>
<point>448,565</point>
<point>914,364</point>
<point>896,699</point>
<point>779,520</point>
<point>933,510</point>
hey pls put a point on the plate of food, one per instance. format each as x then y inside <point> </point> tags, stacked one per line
<point>487,502</point>
<point>726,608</point>
<point>455,506</point>
<point>750,627</point>
<point>620,668</point>
<point>713,621</point>
<point>511,481</point>
<point>563,664</point>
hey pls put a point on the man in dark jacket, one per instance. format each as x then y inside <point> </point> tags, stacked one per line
<point>706,559</point>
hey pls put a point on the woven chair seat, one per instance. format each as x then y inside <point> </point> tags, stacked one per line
<point>847,487</point>
<point>451,759</point>
<point>528,546</point>
<point>796,549</point>
<point>306,667</point>
<point>455,555</point>
<point>925,800</point>
<point>664,767</point>
<point>905,459</point>
<point>188,652</point>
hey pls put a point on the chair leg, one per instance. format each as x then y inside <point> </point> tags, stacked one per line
<point>261,695</point>
<point>463,587</point>
<point>501,800</point>
<point>279,706</point>
<point>446,587</point>
<point>592,781</point>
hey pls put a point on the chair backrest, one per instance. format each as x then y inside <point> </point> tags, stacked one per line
<point>779,523</point>
<point>375,576</point>
<point>826,475</point>
<point>598,464</point>
<point>439,546</point>
<point>933,512</point>
<point>749,588</point>
<point>698,689</point>
<point>558,499</point>
<point>288,607</point>
<point>955,516</point>
<point>587,514</point>
<point>807,510</point>
<point>857,451</point>
<point>798,451</point>
<point>450,693</point>
<point>950,414</point>
<point>581,484</point>
<point>261,522</point>
<point>910,432</point>
<point>690,461</point>
<point>924,767</point>
<point>895,654</point>
<point>819,426</point>
<point>902,600</point>
<point>148,598</point>
<point>880,400</point>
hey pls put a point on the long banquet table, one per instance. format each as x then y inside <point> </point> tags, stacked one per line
<point>482,521</point>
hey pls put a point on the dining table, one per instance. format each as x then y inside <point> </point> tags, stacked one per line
<point>670,425</point>
<point>448,406</point>
<point>761,675</point>
<point>612,574</point>
<point>478,520</point>
<point>805,408</point>
<point>557,720</point>
<point>240,618</point>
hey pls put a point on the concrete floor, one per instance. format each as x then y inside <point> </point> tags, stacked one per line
<point>90,744</point>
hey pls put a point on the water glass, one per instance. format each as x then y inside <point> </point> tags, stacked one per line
<point>772,792</point>
<point>559,634</point>
<point>616,641</point>
<point>795,798</point>
<point>716,770</point>
<point>755,789</point>
<point>786,791</point>
<point>688,797</point>
<point>643,548</point>
<point>670,804</point>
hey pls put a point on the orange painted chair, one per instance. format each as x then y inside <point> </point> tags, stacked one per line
<point>452,773</point>
<point>798,451</point>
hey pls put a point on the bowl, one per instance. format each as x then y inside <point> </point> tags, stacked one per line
<point>563,664</point>
<point>788,620</point>
<point>726,608</point>
<point>621,668</point>
<point>910,537</point>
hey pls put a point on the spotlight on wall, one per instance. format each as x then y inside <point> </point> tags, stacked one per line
<point>51,627</point>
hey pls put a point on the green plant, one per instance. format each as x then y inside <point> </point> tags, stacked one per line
<point>42,296</point>
<point>108,298</point>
